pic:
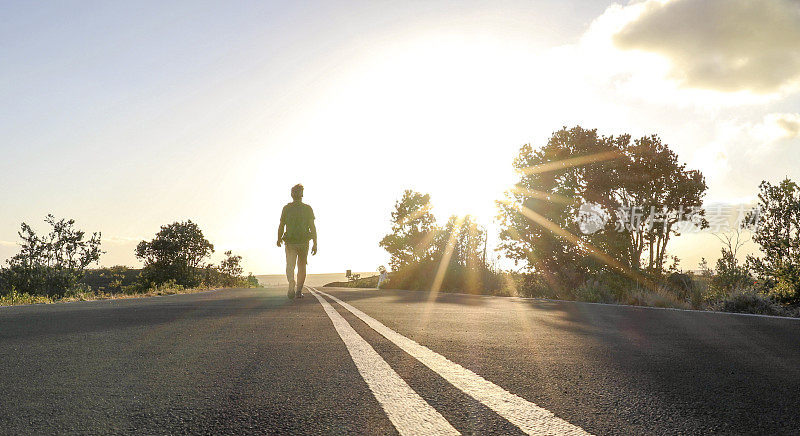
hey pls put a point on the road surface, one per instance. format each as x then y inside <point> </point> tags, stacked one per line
<point>389,362</point>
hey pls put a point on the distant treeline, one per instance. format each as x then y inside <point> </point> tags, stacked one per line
<point>54,265</point>
<point>561,226</point>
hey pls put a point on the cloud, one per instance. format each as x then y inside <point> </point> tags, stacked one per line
<point>8,244</point>
<point>721,45</point>
<point>788,124</point>
<point>777,126</point>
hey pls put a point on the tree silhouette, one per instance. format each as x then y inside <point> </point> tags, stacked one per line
<point>176,253</point>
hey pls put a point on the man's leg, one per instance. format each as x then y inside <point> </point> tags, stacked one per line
<point>291,259</point>
<point>302,260</point>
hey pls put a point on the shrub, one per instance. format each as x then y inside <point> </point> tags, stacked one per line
<point>12,297</point>
<point>654,298</point>
<point>752,302</point>
<point>680,284</point>
<point>785,290</point>
<point>532,285</point>
<point>166,288</point>
<point>252,281</point>
<point>593,291</point>
<point>50,264</point>
<point>455,278</point>
<point>176,253</point>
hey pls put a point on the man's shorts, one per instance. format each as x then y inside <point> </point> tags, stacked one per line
<point>298,250</point>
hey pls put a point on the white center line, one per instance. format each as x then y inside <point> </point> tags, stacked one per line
<point>408,412</point>
<point>529,417</point>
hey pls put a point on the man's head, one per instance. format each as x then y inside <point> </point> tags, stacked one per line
<point>297,192</point>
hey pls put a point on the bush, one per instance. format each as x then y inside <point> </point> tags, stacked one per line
<point>176,253</point>
<point>366,282</point>
<point>785,291</point>
<point>166,288</point>
<point>532,286</point>
<point>654,298</point>
<point>456,278</point>
<point>50,264</point>
<point>112,279</point>
<point>593,291</point>
<point>12,297</point>
<point>252,281</point>
<point>680,284</point>
<point>752,302</point>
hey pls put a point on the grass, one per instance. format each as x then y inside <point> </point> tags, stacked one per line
<point>694,294</point>
<point>15,298</point>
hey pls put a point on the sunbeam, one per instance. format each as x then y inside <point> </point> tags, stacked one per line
<point>584,245</point>
<point>441,270</point>
<point>571,162</point>
<point>542,195</point>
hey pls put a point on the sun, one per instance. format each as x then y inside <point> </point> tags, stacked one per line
<point>463,194</point>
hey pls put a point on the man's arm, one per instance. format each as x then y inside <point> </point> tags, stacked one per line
<point>281,227</point>
<point>313,229</point>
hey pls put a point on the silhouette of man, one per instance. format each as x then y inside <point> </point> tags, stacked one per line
<point>297,219</point>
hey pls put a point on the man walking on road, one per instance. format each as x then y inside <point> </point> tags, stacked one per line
<point>297,219</point>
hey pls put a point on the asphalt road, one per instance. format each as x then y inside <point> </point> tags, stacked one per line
<point>251,361</point>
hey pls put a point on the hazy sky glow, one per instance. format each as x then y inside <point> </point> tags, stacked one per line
<point>129,116</point>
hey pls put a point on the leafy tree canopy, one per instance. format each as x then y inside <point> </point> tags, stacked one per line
<point>413,229</point>
<point>51,264</point>
<point>638,187</point>
<point>777,231</point>
<point>176,252</point>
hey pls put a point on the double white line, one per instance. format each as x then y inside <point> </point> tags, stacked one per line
<point>407,411</point>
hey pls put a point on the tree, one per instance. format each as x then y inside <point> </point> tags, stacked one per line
<point>650,181</point>
<point>51,264</point>
<point>730,274</point>
<point>176,253</point>
<point>610,175</point>
<point>552,196</point>
<point>463,239</point>
<point>231,265</point>
<point>413,229</point>
<point>777,231</point>
<point>231,270</point>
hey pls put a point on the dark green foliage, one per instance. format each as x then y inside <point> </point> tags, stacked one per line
<point>51,264</point>
<point>540,228</point>
<point>777,231</point>
<point>176,253</point>
<point>228,274</point>
<point>413,229</point>
<point>731,276</point>
<point>231,270</point>
<point>455,278</point>
<point>366,282</point>
<point>252,281</point>
<point>751,302</point>
<point>595,291</point>
<point>115,279</point>
<point>425,256</point>
<point>681,284</point>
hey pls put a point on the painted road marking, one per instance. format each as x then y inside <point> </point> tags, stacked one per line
<point>529,417</point>
<point>410,414</point>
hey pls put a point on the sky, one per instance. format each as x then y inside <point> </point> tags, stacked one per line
<point>130,115</point>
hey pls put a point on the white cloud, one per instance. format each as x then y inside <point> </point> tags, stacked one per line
<point>773,130</point>
<point>784,125</point>
<point>721,45</point>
